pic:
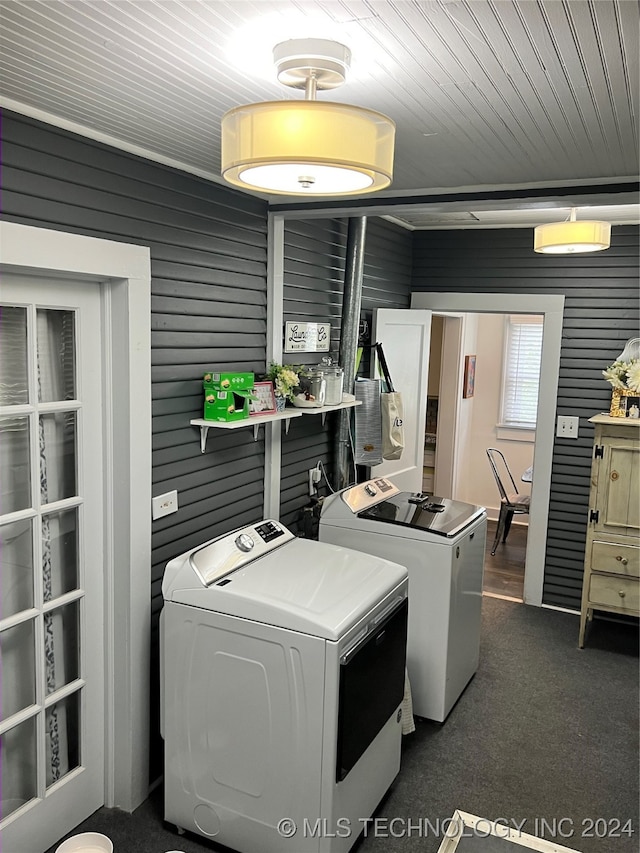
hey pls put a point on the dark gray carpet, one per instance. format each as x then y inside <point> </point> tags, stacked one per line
<point>545,735</point>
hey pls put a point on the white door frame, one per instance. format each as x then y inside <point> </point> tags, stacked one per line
<point>552,308</point>
<point>446,467</point>
<point>123,272</point>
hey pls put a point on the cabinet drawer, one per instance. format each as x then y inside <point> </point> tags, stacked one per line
<point>617,559</point>
<point>615,592</point>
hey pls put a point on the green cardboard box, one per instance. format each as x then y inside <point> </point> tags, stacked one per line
<point>225,405</point>
<point>229,381</point>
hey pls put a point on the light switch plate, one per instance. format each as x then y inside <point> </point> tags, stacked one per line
<point>567,427</point>
<point>164,504</point>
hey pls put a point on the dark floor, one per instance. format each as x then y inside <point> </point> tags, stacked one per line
<point>545,735</point>
<point>504,572</point>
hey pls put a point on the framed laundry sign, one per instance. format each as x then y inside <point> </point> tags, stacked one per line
<point>307,337</point>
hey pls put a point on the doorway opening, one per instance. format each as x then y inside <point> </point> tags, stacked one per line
<point>500,413</point>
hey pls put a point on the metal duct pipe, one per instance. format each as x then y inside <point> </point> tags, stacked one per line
<point>351,301</point>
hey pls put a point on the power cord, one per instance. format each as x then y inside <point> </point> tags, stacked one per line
<point>326,479</point>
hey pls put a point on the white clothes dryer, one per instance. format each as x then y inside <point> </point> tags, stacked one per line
<point>442,543</point>
<point>282,673</point>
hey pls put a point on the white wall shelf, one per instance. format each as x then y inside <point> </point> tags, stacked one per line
<point>322,410</point>
<point>253,421</point>
<point>256,420</point>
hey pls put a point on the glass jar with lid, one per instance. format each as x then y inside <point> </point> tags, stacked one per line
<point>334,376</point>
<point>318,386</point>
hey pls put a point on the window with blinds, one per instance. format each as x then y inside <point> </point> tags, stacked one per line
<point>521,379</point>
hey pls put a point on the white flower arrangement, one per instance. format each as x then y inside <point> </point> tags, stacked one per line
<point>285,379</point>
<point>624,375</point>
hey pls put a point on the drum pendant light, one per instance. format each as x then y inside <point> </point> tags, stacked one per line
<point>565,238</point>
<point>309,147</point>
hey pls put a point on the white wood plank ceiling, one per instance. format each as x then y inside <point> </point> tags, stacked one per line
<point>485,93</point>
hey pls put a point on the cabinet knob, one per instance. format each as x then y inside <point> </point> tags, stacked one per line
<point>622,593</point>
<point>614,475</point>
<point>622,560</point>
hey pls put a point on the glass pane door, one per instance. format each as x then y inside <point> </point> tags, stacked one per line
<point>48,588</point>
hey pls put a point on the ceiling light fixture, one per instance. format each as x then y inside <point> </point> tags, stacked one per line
<point>565,238</point>
<point>308,147</point>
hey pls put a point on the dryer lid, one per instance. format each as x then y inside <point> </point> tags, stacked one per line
<point>302,585</point>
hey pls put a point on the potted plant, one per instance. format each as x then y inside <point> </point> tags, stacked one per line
<point>285,380</point>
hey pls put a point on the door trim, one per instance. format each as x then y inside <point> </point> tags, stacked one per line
<point>552,308</point>
<point>124,273</point>
<point>449,394</point>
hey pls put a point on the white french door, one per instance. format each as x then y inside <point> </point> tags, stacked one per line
<point>51,559</point>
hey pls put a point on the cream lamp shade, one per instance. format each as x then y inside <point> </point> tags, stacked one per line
<point>308,147</point>
<point>572,237</point>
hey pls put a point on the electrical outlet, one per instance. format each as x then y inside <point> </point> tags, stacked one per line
<point>567,427</point>
<point>315,475</point>
<point>164,504</point>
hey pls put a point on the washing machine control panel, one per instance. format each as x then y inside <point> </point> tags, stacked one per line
<point>368,494</point>
<point>270,530</point>
<point>213,561</point>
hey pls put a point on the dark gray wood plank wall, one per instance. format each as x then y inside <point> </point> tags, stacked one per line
<point>314,270</point>
<point>208,265</point>
<point>601,314</point>
<point>314,262</point>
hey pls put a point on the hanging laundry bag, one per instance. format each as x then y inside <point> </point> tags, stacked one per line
<point>367,448</point>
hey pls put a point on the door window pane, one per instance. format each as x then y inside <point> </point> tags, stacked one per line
<point>59,553</point>
<point>19,777</point>
<point>16,568</point>
<point>62,737</point>
<point>13,356</point>
<point>17,649</point>
<point>61,649</point>
<point>15,470</point>
<point>57,456</point>
<point>56,355</point>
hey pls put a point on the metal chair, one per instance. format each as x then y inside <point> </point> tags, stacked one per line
<point>511,501</point>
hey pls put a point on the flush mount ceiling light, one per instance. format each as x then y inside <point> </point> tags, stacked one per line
<point>565,238</point>
<point>308,147</point>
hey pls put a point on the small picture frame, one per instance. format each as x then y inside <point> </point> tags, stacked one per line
<point>624,404</point>
<point>265,402</point>
<point>469,383</point>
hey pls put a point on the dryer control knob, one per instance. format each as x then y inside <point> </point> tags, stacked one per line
<point>245,542</point>
<point>370,490</point>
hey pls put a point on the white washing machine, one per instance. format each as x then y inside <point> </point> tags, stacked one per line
<point>282,673</point>
<point>442,544</point>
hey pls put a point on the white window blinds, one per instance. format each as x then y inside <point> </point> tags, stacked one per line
<point>523,351</point>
